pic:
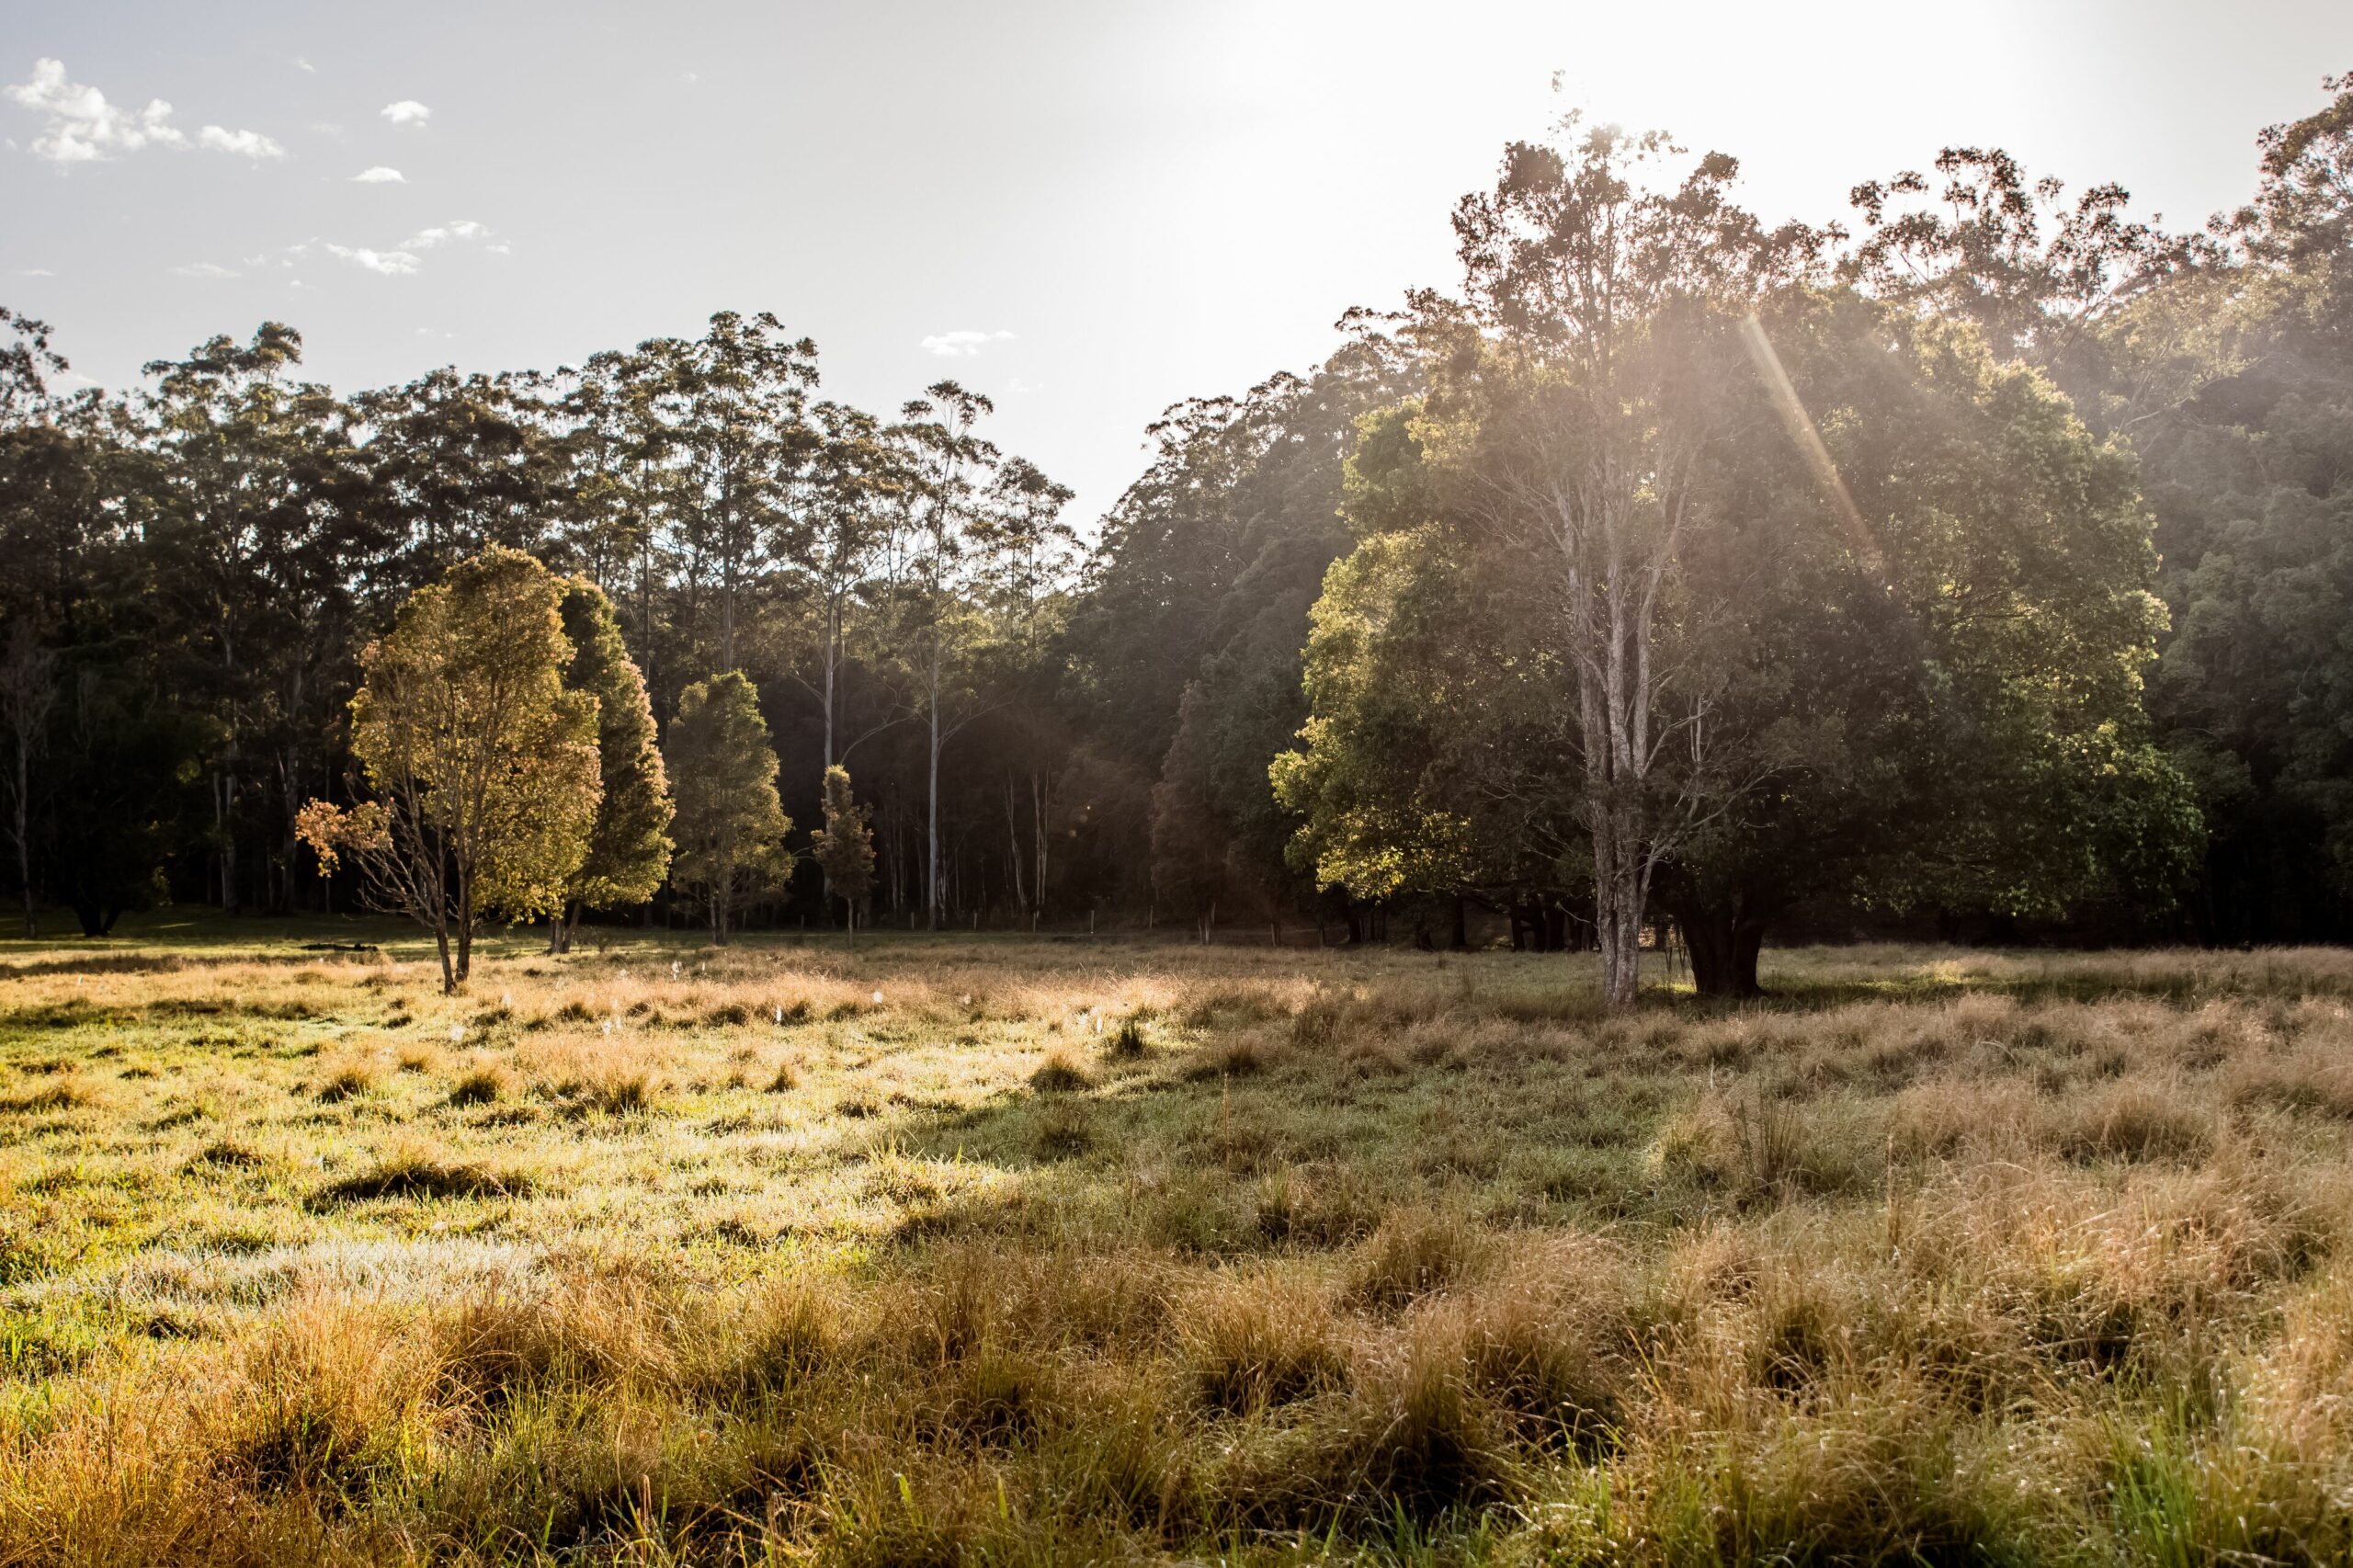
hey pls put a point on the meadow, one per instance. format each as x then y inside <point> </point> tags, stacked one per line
<point>1028,1251</point>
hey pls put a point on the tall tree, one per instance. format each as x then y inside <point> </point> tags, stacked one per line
<point>1575,405</point>
<point>629,847</point>
<point>259,519</point>
<point>731,827</point>
<point>849,486</point>
<point>956,466</point>
<point>1920,620</point>
<point>485,770</point>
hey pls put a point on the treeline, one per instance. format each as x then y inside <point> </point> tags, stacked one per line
<point>1990,563</point>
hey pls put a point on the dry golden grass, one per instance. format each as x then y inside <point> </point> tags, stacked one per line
<point>1034,1251</point>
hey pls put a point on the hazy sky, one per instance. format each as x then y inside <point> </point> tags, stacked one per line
<point>1086,209</point>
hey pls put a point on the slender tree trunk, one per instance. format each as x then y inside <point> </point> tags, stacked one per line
<point>1013,848</point>
<point>931,803</point>
<point>24,832</point>
<point>465,935</point>
<point>1041,796</point>
<point>224,819</point>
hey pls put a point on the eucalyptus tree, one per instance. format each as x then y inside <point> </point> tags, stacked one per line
<point>457,464</point>
<point>1920,620</point>
<point>953,468</point>
<point>732,408</point>
<point>261,539</point>
<point>1576,397</point>
<point>2248,462</point>
<point>850,486</point>
<point>1025,556</point>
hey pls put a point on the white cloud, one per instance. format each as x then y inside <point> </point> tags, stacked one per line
<point>391,262</point>
<point>442,233</point>
<point>35,272</point>
<point>379,175</point>
<point>204,269</point>
<point>1016,386</point>
<point>409,111</point>
<point>244,143</point>
<point>303,65</point>
<point>83,127</point>
<point>502,248</point>
<point>963,344</point>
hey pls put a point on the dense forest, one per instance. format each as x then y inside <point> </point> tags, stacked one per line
<point>1985,562</point>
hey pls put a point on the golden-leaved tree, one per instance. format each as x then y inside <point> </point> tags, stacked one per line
<point>484,771</point>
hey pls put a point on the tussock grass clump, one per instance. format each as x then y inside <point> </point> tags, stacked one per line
<point>348,1081</point>
<point>1241,1057</point>
<point>1060,1076</point>
<point>325,1399</point>
<point>1127,1043</point>
<point>2136,1119</point>
<point>1412,1255</point>
<point>1065,1132</point>
<point>229,1153</point>
<point>67,1096</point>
<point>1249,1341</point>
<point>412,1173</point>
<point>482,1084</point>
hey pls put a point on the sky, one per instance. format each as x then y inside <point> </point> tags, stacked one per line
<point>1085,209</point>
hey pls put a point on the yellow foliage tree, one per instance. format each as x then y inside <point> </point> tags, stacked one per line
<point>485,771</point>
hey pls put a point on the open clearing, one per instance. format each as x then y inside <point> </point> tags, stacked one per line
<point>1047,1251</point>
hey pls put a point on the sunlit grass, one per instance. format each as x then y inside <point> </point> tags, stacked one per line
<point>1038,1251</point>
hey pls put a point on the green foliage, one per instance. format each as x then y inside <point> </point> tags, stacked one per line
<point>731,827</point>
<point>844,847</point>
<point>2250,469</point>
<point>628,847</point>
<point>1936,699</point>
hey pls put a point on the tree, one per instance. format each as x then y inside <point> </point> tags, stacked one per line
<point>28,692</point>
<point>1574,405</point>
<point>261,539</point>
<point>457,464</point>
<point>485,770</point>
<point>844,846</point>
<point>629,847</point>
<point>731,827</point>
<point>1920,621</point>
<point>851,480</point>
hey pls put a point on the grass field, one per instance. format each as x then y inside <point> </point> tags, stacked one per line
<point>1020,1251</point>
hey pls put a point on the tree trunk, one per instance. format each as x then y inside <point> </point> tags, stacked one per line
<point>1725,940</point>
<point>1617,903</point>
<point>1458,937</point>
<point>932,806</point>
<point>465,968</point>
<point>24,832</point>
<point>224,817</point>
